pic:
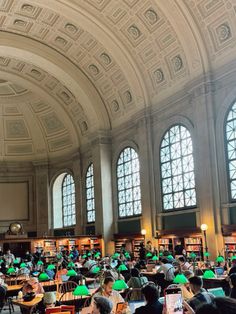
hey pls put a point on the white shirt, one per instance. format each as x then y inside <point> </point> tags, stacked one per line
<point>168,270</point>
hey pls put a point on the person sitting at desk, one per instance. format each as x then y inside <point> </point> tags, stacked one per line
<point>233,267</point>
<point>89,262</point>
<point>107,292</point>
<point>168,269</point>
<point>136,281</point>
<point>151,295</point>
<point>184,265</point>
<point>200,297</point>
<point>35,284</point>
<point>102,305</point>
<point>9,257</point>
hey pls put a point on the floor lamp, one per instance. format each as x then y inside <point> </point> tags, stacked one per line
<point>204,228</point>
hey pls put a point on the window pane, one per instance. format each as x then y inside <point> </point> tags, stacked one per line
<point>128,183</point>
<point>177,169</point>
<point>90,202</point>
<point>230,132</point>
<point>68,201</point>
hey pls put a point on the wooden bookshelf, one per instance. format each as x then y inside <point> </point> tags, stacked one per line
<point>131,243</point>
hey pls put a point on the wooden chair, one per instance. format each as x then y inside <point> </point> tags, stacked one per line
<point>65,309</point>
<point>67,286</point>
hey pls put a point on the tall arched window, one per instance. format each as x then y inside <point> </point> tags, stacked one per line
<point>128,183</point>
<point>177,169</point>
<point>230,133</point>
<point>90,202</point>
<point>68,201</point>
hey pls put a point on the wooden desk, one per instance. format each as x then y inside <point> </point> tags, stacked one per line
<point>29,306</point>
<point>217,282</point>
<point>13,290</point>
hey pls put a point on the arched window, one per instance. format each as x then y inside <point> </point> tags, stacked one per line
<point>63,201</point>
<point>68,201</point>
<point>90,202</point>
<point>128,183</point>
<point>177,169</point>
<point>230,133</point>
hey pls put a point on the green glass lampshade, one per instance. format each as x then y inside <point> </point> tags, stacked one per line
<point>232,258</point>
<point>11,270</point>
<point>23,265</point>
<point>43,277</point>
<point>122,267</point>
<point>71,265</point>
<point>206,254</point>
<point>71,272</point>
<point>40,263</point>
<point>71,255</point>
<point>149,254</point>
<point>16,261</point>
<point>170,257</point>
<point>180,279</point>
<point>220,259</point>
<point>160,254</point>
<point>119,285</point>
<point>89,254</point>
<point>81,290</point>
<point>116,255</point>
<point>51,267</point>
<point>208,274</point>
<point>155,258</point>
<point>96,270</point>
<point>193,255</point>
<point>1,261</point>
<point>84,256</point>
<point>97,255</point>
<point>127,255</point>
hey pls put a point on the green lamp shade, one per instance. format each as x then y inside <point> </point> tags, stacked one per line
<point>208,274</point>
<point>51,267</point>
<point>180,279</point>
<point>220,259</point>
<point>43,277</point>
<point>97,255</point>
<point>116,255</point>
<point>84,256</point>
<point>233,258</point>
<point>40,263</point>
<point>11,270</point>
<point>160,254</point>
<point>149,254</point>
<point>89,254</point>
<point>170,257</point>
<point>23,265</point>
<point>96,270</point>
<point>119,285</point>
<point>193,255</point>
<point>155,258</point>
<point>16,261</point>
<point>1,261</point>
<point>81,290</point>
<point>71,272</point>
<point>71,255</point>
<point>70,265</point>
<point>122,267</point>
<point>127,255</point>
<point>206,254</point>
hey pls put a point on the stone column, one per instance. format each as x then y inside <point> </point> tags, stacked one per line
<point>44,216</point>
<point>101,155</point>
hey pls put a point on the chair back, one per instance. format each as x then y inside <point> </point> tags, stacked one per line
<point>67,286</point>
<point>64,309</point>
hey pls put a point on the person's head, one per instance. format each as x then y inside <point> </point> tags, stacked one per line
<point>49,299</point>
<point>150,293</point>
<point>225,305</point>
<point>188,273</point>
<point>102,305</point>
<point>182,260</point>
<point>195,283</point>
<point>149,242</point>
<point>8,251</point>
<point>28,288</point>
<point>134,272</point>
<point>33,282</point>
<point>207,309</point>
<point>164,261</point>
<point>107,285</point>
<point>232,280</point>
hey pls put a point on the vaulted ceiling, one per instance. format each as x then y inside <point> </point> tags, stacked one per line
<point>70,68</point>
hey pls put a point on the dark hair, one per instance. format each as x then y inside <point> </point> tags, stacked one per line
<point>134,272</point>
<point>182,259</point>
<point>207,309</point>
<point>164,261</point>
<point>151,293</point>
<point>225,305</point>
<point>196,281</point>
<point>233,279</point>
<point>103,304</point>
<point>108,279</point>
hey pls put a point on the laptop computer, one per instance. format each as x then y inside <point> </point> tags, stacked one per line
<point>219,271</point>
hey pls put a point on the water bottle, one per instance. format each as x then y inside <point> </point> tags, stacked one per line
<point>20,295</point>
